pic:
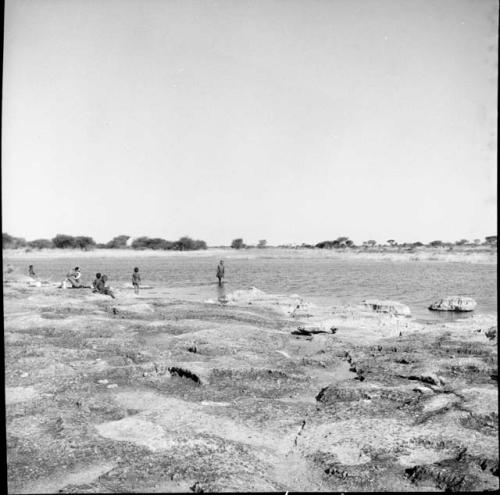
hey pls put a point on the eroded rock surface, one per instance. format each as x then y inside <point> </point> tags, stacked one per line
<point>391,307</point>
<point>456,303</point>
<point>163,394</point>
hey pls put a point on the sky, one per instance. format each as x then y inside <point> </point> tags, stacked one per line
<point>286,120</point>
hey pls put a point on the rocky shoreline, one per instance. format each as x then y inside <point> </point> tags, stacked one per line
<point>255,392</point>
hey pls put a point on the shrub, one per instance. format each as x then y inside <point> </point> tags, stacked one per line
<point>262,243</point>
<point>491,239</point>
<point>436,243</point>
<point>118,242</point>
<point>237,243</point>
<point>187,244</point>
<point>151,243</point>
<point>64,241</point>
<point>84,242</point>
<point>12,242</point>
<point>198,244</point>
<point>340,242</point>
<point>41,244</point>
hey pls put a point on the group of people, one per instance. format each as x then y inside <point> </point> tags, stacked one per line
<point>99,285</point>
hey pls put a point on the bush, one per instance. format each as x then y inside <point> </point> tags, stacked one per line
<point>237,243</point>
<point>84,242</point>
<point>41,244</point>
<point>64,241</point>
<point>340,242</point>
<point>491,239</point>
<point>151,243</point>
<point>262,243</point>
<point>11,242</point>
<point>436,243</point>
<point>183,244</point>
<point>118,242</point>
<point>198,244</point>
<point>187,244</point>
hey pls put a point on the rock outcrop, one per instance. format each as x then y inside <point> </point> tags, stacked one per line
<point>392,307</point>
<point>455,303</point>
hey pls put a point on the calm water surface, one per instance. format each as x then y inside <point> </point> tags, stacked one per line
<point>323,281</point>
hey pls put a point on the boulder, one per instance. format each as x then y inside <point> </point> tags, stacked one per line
<point>455,303</point>
<point>392,307</point>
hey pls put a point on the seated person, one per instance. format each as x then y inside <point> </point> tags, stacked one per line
<point>73,278</point>
<point>94,283</point>
<point>102,288</point>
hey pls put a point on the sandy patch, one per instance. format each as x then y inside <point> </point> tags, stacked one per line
<point>76,476</point>
<point>169,422</point>
<point>19,394</point>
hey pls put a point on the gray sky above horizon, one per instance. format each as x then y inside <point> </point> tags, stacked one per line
<point>291,121</point>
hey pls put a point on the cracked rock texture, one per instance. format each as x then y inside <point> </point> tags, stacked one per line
<point>155,394</point>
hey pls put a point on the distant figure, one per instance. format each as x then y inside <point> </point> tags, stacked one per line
<point>31,271</point>
<point>220,272</point>
<point>136,280</point>
<point>101,286</point>
<point>94,283</point>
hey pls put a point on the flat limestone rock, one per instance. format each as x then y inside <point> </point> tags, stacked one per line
<point>19,394</point>
<point>392,307</point>
<point>454,303</point>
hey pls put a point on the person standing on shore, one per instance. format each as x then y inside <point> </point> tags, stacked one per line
<point>220,272</point>
<point>31,271</point>
<point>136,280</point>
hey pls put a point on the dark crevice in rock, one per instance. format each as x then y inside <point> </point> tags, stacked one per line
<point>174,370</point>
<point>299,432</point>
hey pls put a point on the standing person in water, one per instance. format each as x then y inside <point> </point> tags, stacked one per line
<point>136,280</point>
<point>220,272</point>
<point>31,271</point>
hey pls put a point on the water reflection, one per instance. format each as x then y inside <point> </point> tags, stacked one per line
<point>221,292</point>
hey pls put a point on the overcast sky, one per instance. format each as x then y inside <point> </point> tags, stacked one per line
<point>291,121</point>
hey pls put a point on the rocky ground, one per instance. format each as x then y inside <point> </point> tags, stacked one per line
<point>254,393</point>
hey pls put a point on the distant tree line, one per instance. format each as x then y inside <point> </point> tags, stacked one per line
<point>185,243</point>
<point>345,242</point>
<point>64,241</point>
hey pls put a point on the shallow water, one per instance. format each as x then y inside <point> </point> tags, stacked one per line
<point>323,281</point>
